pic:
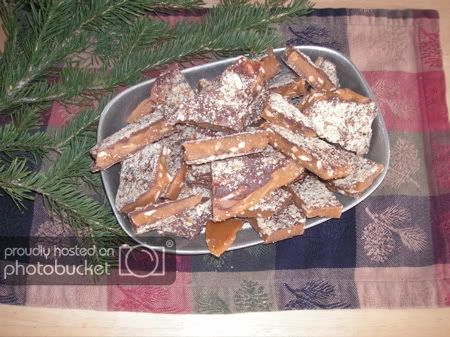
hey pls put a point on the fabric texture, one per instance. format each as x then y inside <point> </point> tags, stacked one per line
<point>392,250</point>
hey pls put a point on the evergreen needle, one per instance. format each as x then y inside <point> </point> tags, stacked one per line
<point>78,51</point>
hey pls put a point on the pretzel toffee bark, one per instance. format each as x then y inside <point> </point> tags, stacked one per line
<point>168,92</point>
<point>240,183</point>
<point>177,168</point>
<point>286,223</point>
<point>225,105</point>
<point>238,144</point>
<point>130,139</point>
<point>236,150</point>
<point>363,173</point>
<point>269,65</point>
<point>312,196</point>
<point>187,224</point>
<point>307,70</point>
<point>288,84</point>
<point>280,112</point>
<point>295,88</point>
<point>199,174</point>
<point>178,217</point>
<point>316,155</point>
<point>254,110</point>
<point>329,68</point>
<point>343,94</point>
<point>204,84</point>
<point>143,178</point>
<point>143,108</point>
<point>344,122</point>
<point>269,205</point>
<point>153,213</point>
<point>221,235</point>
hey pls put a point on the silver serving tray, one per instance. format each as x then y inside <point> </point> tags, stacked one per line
<point>115,113</point>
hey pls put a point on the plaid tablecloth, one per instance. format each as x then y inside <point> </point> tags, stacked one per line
<point>392,250</point>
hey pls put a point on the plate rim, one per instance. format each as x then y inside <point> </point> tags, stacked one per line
<point>353,203</point>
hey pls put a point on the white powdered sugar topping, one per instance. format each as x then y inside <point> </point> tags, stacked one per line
<point>199,174</point>
<point>248,172</point>
<point>281,106</point>
<point>314,194</point>
<point>124,133</point>
<point>187,224</point>
<point>273,201</point>
<point>173,89</point>
<point>137,174</point>
<point>190,190</point>
<point>362,170</point>
<point>173,143</point>
<point>227,104</point>
<point>346,123</point>
<point>329,156</point>
<point>286,218</point>
<point>329,68</point>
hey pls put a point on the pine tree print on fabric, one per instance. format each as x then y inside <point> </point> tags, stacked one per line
<point>314,35</point>
<point>404,165</point>
<point>378,236</point>
<point>209,302</point>
<point>314,295</point>
<point>144,298</point>
<point>391,98</point>
<point>251,296</point>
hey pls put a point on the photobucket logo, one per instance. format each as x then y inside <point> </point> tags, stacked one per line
<point>39,269</point>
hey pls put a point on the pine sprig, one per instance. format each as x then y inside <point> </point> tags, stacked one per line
<point>43,61</point>
<point>125,40</point>
<point>141,45</point>
<point>91,220</point>
<point>190,46</point>
<point>28,117</point>
<point>73,161</point>
<point>16,179</point>
<point>65,27</point>
<point>81,125</point>
<point>15,142</point>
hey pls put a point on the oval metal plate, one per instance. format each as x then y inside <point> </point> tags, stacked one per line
<point>115,113</point>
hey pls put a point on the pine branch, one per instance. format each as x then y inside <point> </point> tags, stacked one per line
<point>227,28</point>
<point>125,40</point>
<point>55,28</point>
<point>15,179</point>
<point>256,16</point>
<point>81,125</point>
<point>190,46</point>
<point>91,220</point>
<point>14,140</point>
<point>73,161</point>
<point>28,117</point>
<point>46,40</point>
<point>70,83</point>
<point>164,6</point>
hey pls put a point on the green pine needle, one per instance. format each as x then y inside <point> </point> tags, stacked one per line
<point>50,43</point>
<point>82,125</point>
<point>15,142</point>
<point>15,181</point>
